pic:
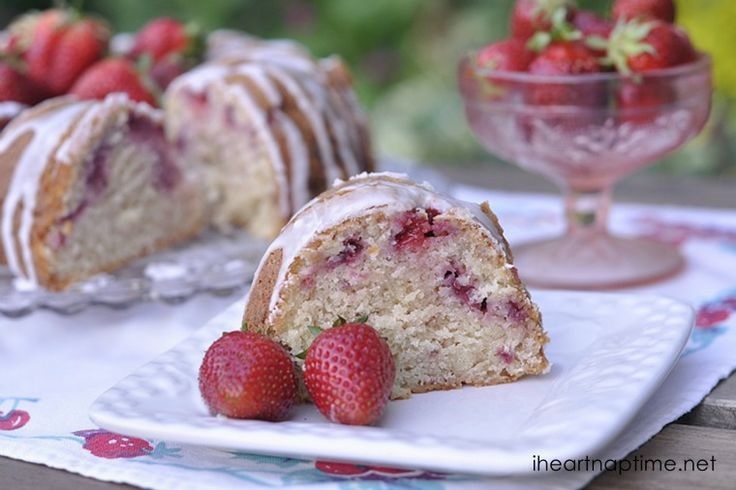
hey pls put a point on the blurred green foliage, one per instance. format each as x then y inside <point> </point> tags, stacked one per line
<point>404,53</point>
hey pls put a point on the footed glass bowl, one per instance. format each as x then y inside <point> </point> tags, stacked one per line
<point>586,132</point>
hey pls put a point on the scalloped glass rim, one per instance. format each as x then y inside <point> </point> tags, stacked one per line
<point>609,353</point>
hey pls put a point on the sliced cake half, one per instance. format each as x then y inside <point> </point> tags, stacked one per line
<point>271,128</point>
<point>89,185</point>
<point>432,274</point>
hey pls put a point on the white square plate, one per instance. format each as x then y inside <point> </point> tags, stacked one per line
<point>609,353</point>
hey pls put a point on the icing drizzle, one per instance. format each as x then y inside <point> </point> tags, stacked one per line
<point>333,120</point>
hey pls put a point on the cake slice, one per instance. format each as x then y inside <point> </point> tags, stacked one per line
<point>432,274</point>
<point>271,127</point>
<point>87,186</point>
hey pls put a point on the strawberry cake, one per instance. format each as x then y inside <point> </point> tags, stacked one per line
<point>432,274</point>
<point>87,186</point>
<point>270,126</point>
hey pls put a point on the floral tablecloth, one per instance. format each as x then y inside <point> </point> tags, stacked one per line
<point>53,367</point>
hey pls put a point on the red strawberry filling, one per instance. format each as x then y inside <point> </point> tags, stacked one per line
<point>352,248</point>
<point>143,131</point>
<point>198,100</point>
<point>506,355</point>
<point>416,226</point>
<point>457,280</point>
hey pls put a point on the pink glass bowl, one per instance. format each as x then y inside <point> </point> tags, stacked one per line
<point>586,132</point>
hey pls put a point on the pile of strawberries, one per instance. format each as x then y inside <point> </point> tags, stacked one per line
<point>61,51</point>
<point>348,371</point>
<point>554,38</point>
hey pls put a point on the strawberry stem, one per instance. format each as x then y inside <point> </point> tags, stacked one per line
<point>626,41</point>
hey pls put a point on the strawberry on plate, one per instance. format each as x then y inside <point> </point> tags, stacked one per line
<point>62,45</point>
<point>638,46</point>
<point>349,372</point>
<point>506,55</point>
<point>532,16</point>
<point>113,75</point>
<point>663,10</point>
<point>563,59</point>
<point>246,375</point>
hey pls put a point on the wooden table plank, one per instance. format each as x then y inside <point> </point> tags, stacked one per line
<point>680,442</point>
<point>19,475</point>
<point>717,409</point>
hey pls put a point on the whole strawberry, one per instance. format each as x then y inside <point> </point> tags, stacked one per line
<point>62,46</point>
<point>532,16</point>
<point>663,10</point>
<point>506,55</point>
<point>16,87</point>
<point>591,24</point>
<point>163,37</point>
<point>113,75</point>
<point>564,59</point>
<point>642,101</point>
<point>349,372</point>
<point>248,376</point>
<point>637,46</point>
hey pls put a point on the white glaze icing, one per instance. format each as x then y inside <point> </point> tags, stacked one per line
<point>308,105</point>
<point>9,109</point>
<point>47,130</point>
<point>297,152</point>
<point>363,194</point>
<point>279,65</point>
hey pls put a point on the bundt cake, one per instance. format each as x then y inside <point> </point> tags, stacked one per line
<point>87,186</point>
<point>8,110</point>
<point>432,274</point>
<point>271,127</point>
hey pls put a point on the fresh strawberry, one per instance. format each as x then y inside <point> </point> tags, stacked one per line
<point>62,47</point>
<point>507,55</point>
<point>16,87</point>
<point>637,46</point>
<point>590,24</point>
<point>532,16</point>
<point>112,75</point>
<point>162,37</point>
<point>663,10</point>
<point>642,101</point>
<point>248,376</point>
<point>349,372</point>
<point>560,59</point>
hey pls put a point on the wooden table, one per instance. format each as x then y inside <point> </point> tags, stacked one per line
<point>709,430</point>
